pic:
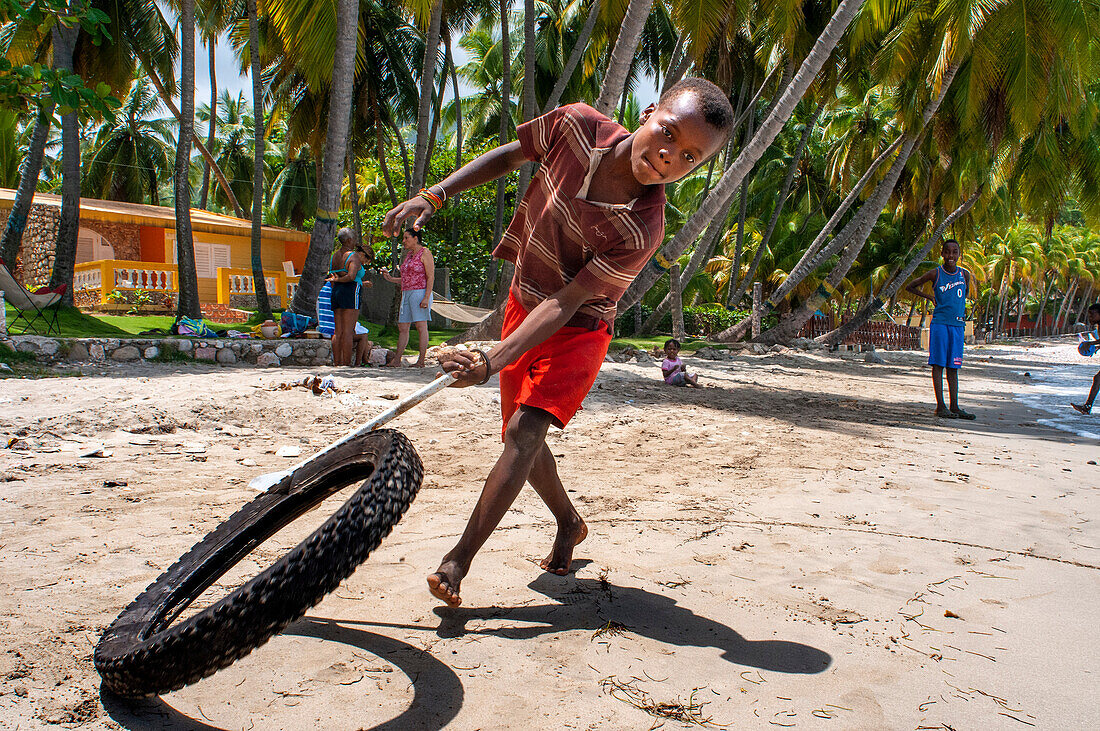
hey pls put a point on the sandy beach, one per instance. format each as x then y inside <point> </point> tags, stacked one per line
<point>800,544</point>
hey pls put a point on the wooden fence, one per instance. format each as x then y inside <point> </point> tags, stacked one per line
<point>885,335</point>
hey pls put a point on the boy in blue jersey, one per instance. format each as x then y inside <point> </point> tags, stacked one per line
<point>950,286</point>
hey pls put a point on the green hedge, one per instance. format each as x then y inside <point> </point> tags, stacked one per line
<point>703,320</point>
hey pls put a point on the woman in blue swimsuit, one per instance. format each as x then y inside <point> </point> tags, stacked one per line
<point>346,275</point>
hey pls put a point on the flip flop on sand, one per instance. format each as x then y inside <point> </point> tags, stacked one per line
<point>944,413</point>
<point>1083,408</point>
<point>959,413</point>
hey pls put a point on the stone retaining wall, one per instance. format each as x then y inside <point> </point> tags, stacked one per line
<point>226,351</point>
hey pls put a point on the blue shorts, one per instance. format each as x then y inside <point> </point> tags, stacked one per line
<point>411,311</point>
<point>345,296</point>
<point>945,345</point>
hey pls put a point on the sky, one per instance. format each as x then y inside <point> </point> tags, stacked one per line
<point>229,77</point>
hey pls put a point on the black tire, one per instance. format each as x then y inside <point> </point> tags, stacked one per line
<point>142,653</point>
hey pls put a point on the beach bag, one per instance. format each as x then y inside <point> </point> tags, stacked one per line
<point>293,324</point>
<point>191,328</point>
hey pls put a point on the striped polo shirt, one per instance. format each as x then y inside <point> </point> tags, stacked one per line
<point>557,235</point>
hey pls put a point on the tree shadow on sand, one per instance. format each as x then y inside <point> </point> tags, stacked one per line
<point>590,604</point>
<point>437,691</point>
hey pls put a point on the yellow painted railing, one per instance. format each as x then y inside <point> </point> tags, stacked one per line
<point>239,281</point>
<point>107,275</point>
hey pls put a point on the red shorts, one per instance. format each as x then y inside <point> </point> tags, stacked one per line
<point>555,375</point>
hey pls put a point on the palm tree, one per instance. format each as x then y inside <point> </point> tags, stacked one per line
<point>233,148</point>
<point>259,283</point>
<point>332,167</point>
<point>188,303</point>
<point>28,179</point>
<point>129,154</point>
<point>64,264</point>
<point>626,45</point>
<point>752,152</point>
<point>294,190</point>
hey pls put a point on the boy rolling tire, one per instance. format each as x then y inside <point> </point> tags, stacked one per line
<point>143,653</point>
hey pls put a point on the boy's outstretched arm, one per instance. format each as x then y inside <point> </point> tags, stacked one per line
<point>916,287</point>
<point>546,319</point>
<point>490,166</point>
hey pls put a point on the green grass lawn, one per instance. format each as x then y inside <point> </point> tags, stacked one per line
<point>77,324</point>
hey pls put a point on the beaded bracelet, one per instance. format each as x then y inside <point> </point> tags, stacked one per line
<point>488,365</point>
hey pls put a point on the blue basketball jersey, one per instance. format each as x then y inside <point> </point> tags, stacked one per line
<point>950,292</point>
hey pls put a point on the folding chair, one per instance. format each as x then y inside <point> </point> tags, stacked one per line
<point>43,304</point>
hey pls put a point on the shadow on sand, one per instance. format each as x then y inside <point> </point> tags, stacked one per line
<point>437,690</point>
<point>589,604</point>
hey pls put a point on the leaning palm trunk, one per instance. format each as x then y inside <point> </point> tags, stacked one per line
<point>859,228</point>
<point>678,64</point>
<point>28,181</point>
<point>890,289</point>
<point>492,271</point>
<point>427,87</point>
<point>626,45</point>
<point>166,97</point>
<point>64,264</point>
<point>332,167</point>
<point>210,126</point>
<point>1066,302</point>
<point>530,105</point>
<point>699,257</point>
<point>1085,301</point>
<point>814,255</point>
<point>752,152</point>
<point>188,304</point>
<point>742,211</point>
<point>574,57</point>
<point>263,304</point>
<point>458,133</point>
<point>746,282</point>
<point>1020,302</point>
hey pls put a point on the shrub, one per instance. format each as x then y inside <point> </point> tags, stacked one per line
<point>703,320</point>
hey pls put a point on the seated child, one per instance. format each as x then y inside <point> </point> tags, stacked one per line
<point>673,368</point>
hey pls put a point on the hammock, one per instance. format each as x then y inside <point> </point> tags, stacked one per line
<point>459,313</point>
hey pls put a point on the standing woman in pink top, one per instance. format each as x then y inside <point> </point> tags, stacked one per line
<point>416,280</point>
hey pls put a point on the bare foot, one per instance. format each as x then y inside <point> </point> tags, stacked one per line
<point>418,364</point>
<point>444,583</point>
<point>393,364</point>
<point>561,555</point>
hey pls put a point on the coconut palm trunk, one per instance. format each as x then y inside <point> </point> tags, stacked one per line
<point>188,304</point>
<point>332,168</point>
<point>530,106</point>
<point>780,202</point>
<point>622,55</point>
<point>64,264</point>
<point>574,57</point>
<point>263,303</point>
<point>491,275</point>
<point>28,181</point>
<point>699,257</point>
<point>751,153</point>
<point>859,228</point>
<point>212,124</point>
<point>814,255</point>
<point>458,133</point>
<point>427,87</point>
<point>890,289</point>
